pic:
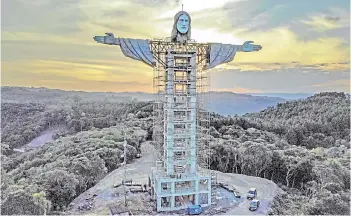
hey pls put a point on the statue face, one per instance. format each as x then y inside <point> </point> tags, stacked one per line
<point>183,24</point>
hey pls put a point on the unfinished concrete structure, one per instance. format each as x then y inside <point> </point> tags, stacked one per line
<point>180,121</point>
<point>179,117</point>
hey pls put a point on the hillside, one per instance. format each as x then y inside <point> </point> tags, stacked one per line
<point>65,168</point>
<point>302,146</point>
<point>318,121</point>
<point>224,103</point>
<point>21,122</point>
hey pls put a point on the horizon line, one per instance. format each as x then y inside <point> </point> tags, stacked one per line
<point>219,91</point>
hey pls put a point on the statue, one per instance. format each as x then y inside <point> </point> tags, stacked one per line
<point>179,80</point>
<point>139,49</point>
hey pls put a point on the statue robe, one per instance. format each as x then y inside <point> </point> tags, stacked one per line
<point>220,54</point>
<point>139,49</point>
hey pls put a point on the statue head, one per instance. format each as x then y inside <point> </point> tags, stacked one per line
<point>183,23</point>
<point>181,31</point>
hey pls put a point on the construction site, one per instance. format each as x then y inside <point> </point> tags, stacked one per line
<point>111,197</point>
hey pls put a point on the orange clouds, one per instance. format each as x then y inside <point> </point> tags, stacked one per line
<point>87,76</point>
<point>282,45</point>
<point>72,60</point>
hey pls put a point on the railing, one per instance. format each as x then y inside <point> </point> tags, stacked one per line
<point>183,78</point>
<point>180,157</point>
<point>181,105</point>
<point>179,146</point>
<point>181,131</point>
<point>179,169</point>
<point>181,91</point>
<point>184,135</point>
<point>180,119</point>
<point>184,189</point>
<point>180,162</point>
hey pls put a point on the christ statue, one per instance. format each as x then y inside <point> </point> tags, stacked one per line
<point>139,49</point>
<point>179,63</point>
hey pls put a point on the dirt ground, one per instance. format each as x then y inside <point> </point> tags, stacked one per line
<point>105,195</point>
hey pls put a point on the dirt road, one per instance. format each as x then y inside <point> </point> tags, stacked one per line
<point>42,139</point>
<point>266,191</point>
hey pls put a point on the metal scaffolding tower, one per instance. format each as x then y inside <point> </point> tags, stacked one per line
<point>181,123</point>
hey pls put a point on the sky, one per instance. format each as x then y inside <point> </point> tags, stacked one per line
<point>49,43</point>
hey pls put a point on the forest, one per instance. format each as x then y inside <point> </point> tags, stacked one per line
<point>303,146</point>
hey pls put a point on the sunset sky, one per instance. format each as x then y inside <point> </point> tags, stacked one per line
<point>49,43</point>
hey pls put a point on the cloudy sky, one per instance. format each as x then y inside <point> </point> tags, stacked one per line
<point>306,43</point>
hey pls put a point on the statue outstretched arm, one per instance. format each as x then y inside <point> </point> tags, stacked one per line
<point>108,39</point>
<point>137,49</point>
<point>224,53</point>
<point>248,47</point>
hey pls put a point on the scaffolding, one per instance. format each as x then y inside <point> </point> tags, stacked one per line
<point>181,125</point>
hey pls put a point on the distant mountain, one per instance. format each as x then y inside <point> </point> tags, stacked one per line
<point>287,96</point>
<point>224,103</point>
<point>229,103</point>
<point>46,95</point>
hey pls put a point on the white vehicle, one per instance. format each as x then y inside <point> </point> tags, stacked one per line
<point>254,204</point>
<point>252,193</point>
